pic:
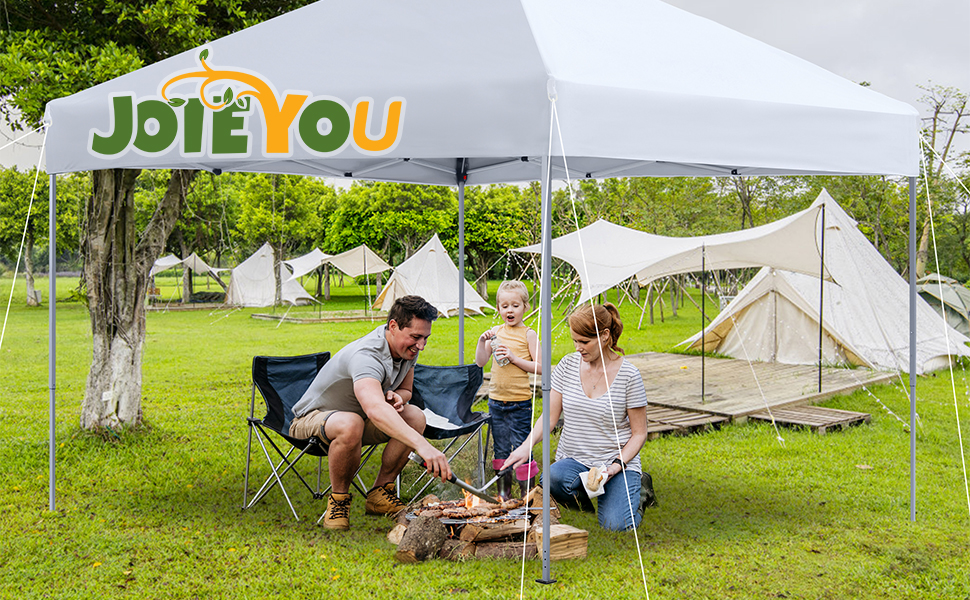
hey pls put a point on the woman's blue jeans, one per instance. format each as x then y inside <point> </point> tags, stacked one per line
<point>613,506</point>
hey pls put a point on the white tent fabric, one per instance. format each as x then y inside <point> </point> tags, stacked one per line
<point>775,317</point>
<point>431,274</point>
<point>949,298</point>
<point>641,88</point>
<point>164,263</point>
<point>605,254</point>
<point>307,263</point>
<point>192,262</point>
<point>360,261</point>
<point>253,284</point>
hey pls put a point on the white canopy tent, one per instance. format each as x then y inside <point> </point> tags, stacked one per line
<point>354,262</point>
<point>473,93</point>
<point>253,283</point>
<point>431,274</point>
<point>605,254</point>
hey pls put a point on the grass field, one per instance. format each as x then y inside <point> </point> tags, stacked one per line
<point>156,513</point>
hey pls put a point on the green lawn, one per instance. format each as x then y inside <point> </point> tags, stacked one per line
<point>156,513</point>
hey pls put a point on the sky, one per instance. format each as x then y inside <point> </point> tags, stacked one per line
<point>895,45</point>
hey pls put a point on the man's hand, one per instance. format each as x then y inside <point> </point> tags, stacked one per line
<point>435,461</point>
<point>395,400</point>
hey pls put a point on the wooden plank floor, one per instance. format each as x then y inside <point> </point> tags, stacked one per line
<point>732,386</point>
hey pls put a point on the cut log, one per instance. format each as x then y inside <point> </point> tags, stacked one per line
<point>422,540</point>
<point>456,550</point>
<point>512,550</point>
<point>534,500</point>
<point>396,533</point>
<point>565,541</point>
<point>500,530</point>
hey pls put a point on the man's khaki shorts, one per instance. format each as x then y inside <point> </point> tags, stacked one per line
<point>312,425</point>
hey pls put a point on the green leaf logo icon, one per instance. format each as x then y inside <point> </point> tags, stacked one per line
<point>204,54</point>
<point>176,102</point>
<point>227,97</point>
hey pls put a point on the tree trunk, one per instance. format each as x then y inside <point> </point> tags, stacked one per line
<point>922,255</point>
<point>186,272</point>
<point>277,258</point>
<point>326,281</point>
<point>116,266</point>
<point>29,269</point>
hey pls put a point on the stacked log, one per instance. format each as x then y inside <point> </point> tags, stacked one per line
<point>425,536</point>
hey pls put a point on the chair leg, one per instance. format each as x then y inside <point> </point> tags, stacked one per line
<point>249,453</point>
<point>277,475</point>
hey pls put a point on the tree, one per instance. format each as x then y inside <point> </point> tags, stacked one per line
<point>51,50</point>
<point>16,192</point>
<point>494,219</point>
<point>279,210</point>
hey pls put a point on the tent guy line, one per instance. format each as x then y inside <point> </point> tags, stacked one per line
<point>23,238</point>
<point>596,327</point>
<point>953,387</point>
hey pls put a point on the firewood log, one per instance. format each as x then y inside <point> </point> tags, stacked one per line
<point>422,540</point>
<point>511,550</point>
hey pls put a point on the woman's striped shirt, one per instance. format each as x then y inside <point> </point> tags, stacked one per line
<point>588,433</point>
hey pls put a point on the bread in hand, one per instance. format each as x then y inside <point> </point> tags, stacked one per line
<point>594,478</point>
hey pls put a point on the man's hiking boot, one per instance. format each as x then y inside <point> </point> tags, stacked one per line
<point>338,512</point>
<point>383,501</point>
<point>648,498</point>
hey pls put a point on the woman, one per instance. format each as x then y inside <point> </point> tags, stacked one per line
<point>601,399</point>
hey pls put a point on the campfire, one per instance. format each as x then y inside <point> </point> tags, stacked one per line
<point>471,527</point>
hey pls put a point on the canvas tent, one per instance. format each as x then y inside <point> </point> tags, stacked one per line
<point>479,95</point>
<point>775,317</point>
<point>949,298</point>
<point>253,284</point>
<point>431,274</point>
<point>192,262</point>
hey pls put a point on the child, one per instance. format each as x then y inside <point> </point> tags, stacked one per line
<point>509,393</point>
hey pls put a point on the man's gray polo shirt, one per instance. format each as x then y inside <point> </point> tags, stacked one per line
<point>367,357</point>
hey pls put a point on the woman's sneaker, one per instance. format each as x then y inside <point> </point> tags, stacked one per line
<point>338,512</point>
<point>383,501</point>
<point>648,498</point>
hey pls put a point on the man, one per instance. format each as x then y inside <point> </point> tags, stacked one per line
<point>360,397</point>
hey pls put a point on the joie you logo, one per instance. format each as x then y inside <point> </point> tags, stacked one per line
<point>217,123</point>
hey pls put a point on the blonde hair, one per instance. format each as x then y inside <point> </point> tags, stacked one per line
<point>514,286</point>
<point>607,318</point>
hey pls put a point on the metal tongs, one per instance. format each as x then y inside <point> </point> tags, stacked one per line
<point>480,492</point>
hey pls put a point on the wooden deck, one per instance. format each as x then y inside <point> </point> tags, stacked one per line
<point>816,418</point>
<point>674,381</point>
<point>736,388</point>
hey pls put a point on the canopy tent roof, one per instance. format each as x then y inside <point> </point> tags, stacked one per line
<point>308,263</point>
<point>354,262</point>
<point>192,261</point>
<point>670,94</point>
<point>431,274</point>
<point>949,298</point>
<point>359,261</point>
<point>253,283</point>
<point>605,254</point>
<point>864,312</point>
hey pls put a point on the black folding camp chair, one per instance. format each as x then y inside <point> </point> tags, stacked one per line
<point>446,395</point>
<point>281,381</point>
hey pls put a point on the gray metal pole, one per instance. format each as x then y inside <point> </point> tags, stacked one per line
<point>912,349</point>
<point>51,332</point>
<point>821,300</point>
<point>546,316</point>
<point>703,318</point>
<point>461,270</point>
